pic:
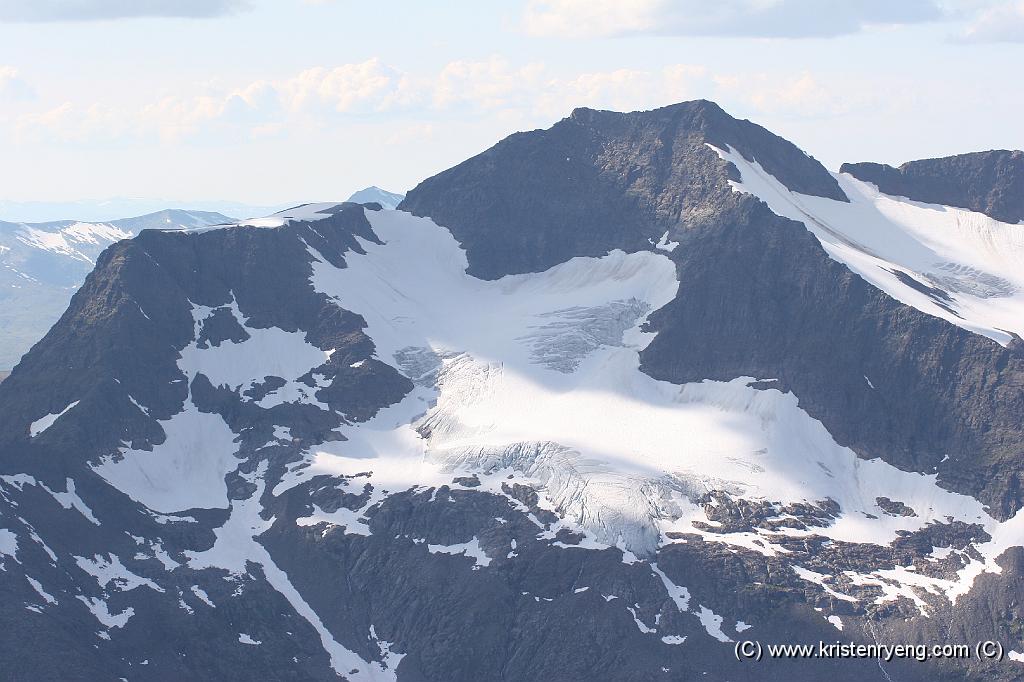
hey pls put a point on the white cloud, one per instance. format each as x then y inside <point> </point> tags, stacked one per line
<point>751,18</point>
<point>488,84</point>
<point>683,81</point>
<point>12,87</point>
<point>621,89</point>
<point>366,86</point>
<point>533,93</point>
<point>800,95</point>
<point>92,10</point>
<point>321,100</point>
<point>1002,22</point>
<point>590,18</point>
<point>260,108</point>
<point>413,133</point>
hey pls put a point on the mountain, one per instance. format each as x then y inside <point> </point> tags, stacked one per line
<point>41,264</point>
<point>107,210</point>
<point>377,195</point>
<point>989,182</point>
<point>601,402</point>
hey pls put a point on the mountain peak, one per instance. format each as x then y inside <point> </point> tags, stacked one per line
<point>697,106</point>
<point>374,194</point>
<point>620,179</point>
<point>706,119</point>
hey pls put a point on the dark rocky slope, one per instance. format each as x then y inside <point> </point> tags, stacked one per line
<point>989,182</point>
<point>41,265</point>
<point>127,324</point>
<point>600,180</point>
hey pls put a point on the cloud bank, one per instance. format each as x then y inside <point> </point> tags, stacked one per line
<point>999,23</point>
<point>317,100</point>
<point>749,18</point>
<point>12,87</point>
<point>96,10</point>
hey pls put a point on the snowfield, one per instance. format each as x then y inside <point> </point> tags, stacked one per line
<point>68,241</point>
<point>536,378</point>
<point>538,374</point>
<point>303,212</point>
<point>973,265</point>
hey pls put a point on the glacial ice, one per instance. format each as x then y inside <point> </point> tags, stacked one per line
<point>895,243</point>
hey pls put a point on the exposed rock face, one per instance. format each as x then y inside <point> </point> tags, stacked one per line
<point>230,367</point>
<point>41,265</point>
<point>989,182</point>
<point>598,181</point>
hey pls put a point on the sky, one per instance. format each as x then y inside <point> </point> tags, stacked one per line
<point>283,101</point>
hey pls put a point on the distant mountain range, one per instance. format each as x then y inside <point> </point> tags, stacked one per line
<point>115,209</point>
<point>109,210</point>
<point>42,265</point>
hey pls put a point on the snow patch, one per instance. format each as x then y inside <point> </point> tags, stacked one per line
<point>70,500</point>
<point>712,623</point>
<point>40,425</point>
<point>8,544</point>
<point>186,471</point>
<point>38,587</point>
<point>267,352</point>
<point>680,595</point>
<point>471,549</point>
<point>203,597</point>
<point>665,245</point>
<point>351,522</point>
<point>99,609</point>
<point>110,573</point>
<point>303,213</point>
<point>640,625</point>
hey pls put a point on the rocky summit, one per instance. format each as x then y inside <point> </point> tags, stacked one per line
<point>600,403</point>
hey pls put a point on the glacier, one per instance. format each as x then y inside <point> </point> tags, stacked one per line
<point>952,263</point>
<point>535,379</point>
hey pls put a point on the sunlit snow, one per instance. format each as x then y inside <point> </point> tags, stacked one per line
<point>8,545</point>
<point>185,471</point>
<point>511,375</point>
<point>977,261</point>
